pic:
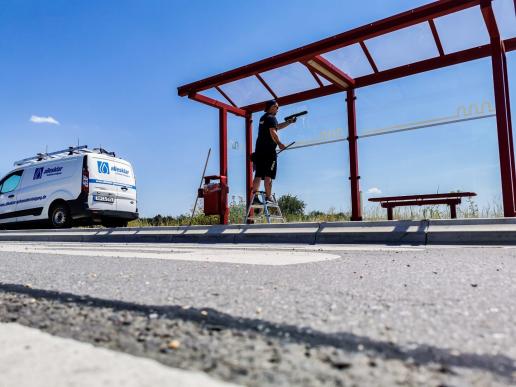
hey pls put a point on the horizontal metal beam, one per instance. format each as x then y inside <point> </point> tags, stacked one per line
<point>217,104</point>
<point>384,26</point>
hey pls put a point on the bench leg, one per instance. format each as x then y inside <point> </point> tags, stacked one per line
<point>453,211</point>
<point>389,213</point>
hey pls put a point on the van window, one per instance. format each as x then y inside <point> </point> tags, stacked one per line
<point>10,183</point>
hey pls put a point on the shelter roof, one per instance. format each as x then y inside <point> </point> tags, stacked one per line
<point>436,35</point>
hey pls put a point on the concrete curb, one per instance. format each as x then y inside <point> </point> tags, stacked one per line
<point>500,231</point>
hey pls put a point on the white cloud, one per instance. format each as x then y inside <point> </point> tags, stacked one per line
<point>44,120</point>
<point>374,191</point>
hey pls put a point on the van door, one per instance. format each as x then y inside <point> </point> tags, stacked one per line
<point>41,181</point>
<point>102,188</point>
<point>126,185</point>
<point>8,191</point>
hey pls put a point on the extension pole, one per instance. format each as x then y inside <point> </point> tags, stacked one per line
<point>200,186</point>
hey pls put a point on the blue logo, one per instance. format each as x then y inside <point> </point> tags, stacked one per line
<point>103,167</point>
<point>38,173</point>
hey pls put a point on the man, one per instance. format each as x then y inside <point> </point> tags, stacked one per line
<point>265,157</point>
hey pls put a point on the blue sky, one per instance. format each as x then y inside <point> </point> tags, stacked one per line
<point>107,72</point>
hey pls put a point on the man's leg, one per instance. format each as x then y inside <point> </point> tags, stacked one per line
<point>268,187</point>
<point>256,183</point>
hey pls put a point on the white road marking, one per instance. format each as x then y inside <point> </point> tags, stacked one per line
<point>249,257</point>
<point>30,358</point>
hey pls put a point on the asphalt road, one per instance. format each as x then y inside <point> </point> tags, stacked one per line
<point>279,315</point>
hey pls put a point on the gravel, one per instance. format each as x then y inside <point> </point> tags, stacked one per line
<point>247,351</point>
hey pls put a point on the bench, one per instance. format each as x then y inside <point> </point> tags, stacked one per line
<point>451,199</point>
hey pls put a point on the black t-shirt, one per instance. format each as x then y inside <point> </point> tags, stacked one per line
<point>265,145</point>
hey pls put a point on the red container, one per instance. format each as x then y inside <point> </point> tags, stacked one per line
<point>214,195</point>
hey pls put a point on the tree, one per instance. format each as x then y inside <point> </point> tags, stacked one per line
<point>291,205</point>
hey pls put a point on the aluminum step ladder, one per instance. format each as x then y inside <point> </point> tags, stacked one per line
<point>270,212</point>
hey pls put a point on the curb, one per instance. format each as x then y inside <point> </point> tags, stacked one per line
<point>500,231</point>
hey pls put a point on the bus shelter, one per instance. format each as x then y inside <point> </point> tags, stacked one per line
<point>329,78</point>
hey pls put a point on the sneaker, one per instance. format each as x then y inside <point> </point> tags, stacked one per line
<point>270,200</point>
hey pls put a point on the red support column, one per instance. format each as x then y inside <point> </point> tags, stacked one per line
<point>248,163</point>
<point>503,120</point>
<point>503,112</point>
<point>223,159</point>
<point>356,213</point>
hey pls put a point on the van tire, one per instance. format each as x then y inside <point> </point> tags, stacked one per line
<point>59,215</point>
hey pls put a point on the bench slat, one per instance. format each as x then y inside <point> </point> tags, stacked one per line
<point>426,196</point>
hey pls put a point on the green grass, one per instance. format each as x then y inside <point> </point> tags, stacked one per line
<point>468,209</point>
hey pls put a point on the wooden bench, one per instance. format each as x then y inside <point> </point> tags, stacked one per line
<point>451,198</point>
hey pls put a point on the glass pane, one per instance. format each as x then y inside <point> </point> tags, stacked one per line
<point>290,79</point>
<point>214,94</point>
<point>351,60</point>
<point>405,46</point>
<point>11,183</point>
<point>246,91</point>
<point>462,30</point>
<point>505,17</point>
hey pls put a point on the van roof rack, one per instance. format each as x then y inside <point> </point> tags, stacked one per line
<point>62,153</point>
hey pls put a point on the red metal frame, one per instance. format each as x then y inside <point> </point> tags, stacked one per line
<point>310,56</point>
<point>248,163</point>
<point>356,211</point>
<point>223,164</point>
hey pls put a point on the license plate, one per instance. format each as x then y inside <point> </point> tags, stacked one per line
<point>105,199</point>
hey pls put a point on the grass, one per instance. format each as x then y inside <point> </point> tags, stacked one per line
<point>469,209</point>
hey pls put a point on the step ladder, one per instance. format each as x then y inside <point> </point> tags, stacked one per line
<point>269,212</point>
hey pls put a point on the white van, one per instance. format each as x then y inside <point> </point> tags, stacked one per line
<point>72,186</point>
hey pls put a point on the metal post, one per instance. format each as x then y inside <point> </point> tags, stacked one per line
<point>223,159</point>
<point>503,128</point>
<point>356,213</point>
<point>248,163</point>
<point>389,213</point>
<point>503,120</point>
<point>453,210</point>
<point>509,122</point>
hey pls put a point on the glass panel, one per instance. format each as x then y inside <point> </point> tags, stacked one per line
<point>290,79</point>
<point>405,46</point>
<point>505,17</point>
<point>351,60</point>
<point>11,183</point>
<point>453,144</point>
<point>462,30</point>
<point>214,94</point>
<point>246,91</point>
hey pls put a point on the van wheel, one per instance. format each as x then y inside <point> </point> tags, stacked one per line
<point>60,216</point>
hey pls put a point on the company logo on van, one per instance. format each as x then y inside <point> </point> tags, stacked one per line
<point>38,173</point>
<point>103,167</point>
<point>120,171</point>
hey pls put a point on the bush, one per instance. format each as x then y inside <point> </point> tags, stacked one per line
<point>291,205</point>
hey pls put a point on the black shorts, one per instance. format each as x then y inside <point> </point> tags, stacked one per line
<point>265,165</point>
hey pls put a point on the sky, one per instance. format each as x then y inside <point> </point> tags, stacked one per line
<point>106,73</point>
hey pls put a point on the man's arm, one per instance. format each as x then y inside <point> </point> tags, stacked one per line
<point>275,137</point>
<point>283,125</point>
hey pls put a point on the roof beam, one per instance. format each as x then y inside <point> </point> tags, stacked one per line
<point>217,104</point>
<point>225,96</point>
<point>330,72</point>
<point>490,20</point>
<point>436,37</point>
<point>368,56</point>
<point>316,77</point>
<point>402,20</point>
<point>266,85</point>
